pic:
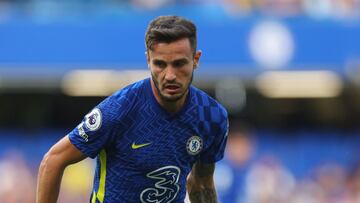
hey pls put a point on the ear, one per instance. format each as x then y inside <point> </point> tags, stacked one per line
<point>147,58</point>
<point>197,58</point>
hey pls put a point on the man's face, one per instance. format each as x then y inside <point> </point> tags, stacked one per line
<point>171,66</point>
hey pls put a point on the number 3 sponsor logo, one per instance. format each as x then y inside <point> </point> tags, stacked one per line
<point>165,189</point>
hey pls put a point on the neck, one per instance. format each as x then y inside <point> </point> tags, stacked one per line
<point>169,106</point>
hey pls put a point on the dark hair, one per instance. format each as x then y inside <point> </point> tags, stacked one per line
<point>169,29</point>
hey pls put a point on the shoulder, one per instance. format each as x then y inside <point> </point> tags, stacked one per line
<point>129,92</point>
<point>209,108</point>
<point>121,101</point>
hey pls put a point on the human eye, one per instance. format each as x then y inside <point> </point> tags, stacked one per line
<point>160,64</point>
<point>179,63</point>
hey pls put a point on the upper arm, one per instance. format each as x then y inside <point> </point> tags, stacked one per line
<point>52,167</point>
<point>218,135</point>
<point>200,185</point>
<point>202,175</point>
<point>101,125</point>
<point>64,153</point>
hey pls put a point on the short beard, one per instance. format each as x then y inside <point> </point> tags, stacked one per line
<point>167,99</point>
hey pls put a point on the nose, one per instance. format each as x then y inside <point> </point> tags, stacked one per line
<point>170,74</point>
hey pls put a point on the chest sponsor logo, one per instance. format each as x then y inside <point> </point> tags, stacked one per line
<point>93,120</point>
<point>137,146</point>
<point>194,145</point>
<point>166,185</point>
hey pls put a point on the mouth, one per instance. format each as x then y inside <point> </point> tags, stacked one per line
<point>172,88</point>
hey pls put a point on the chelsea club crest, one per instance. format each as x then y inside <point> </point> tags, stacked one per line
<point>194,145</point>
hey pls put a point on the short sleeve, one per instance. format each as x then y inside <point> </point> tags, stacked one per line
<point>96,129</point>
<point>216,150</point>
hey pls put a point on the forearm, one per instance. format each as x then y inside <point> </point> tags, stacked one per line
<point>49,180</point>
<point>203,195</point>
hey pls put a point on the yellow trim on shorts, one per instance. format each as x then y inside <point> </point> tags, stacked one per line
<point>101,190</point>
<point>93,199</point>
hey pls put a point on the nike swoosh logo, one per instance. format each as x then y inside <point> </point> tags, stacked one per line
<point>137,146</point>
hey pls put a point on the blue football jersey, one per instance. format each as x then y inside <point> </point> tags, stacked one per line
<point>144,153</point>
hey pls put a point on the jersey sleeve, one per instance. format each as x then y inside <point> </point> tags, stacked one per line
<point>216,150</point>
<point>98,127</point>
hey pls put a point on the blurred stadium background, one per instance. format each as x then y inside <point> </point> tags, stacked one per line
<point>288,72</point>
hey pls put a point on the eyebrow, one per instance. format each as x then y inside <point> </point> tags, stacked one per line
<point>157,60</point>
<point>182,60</point>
